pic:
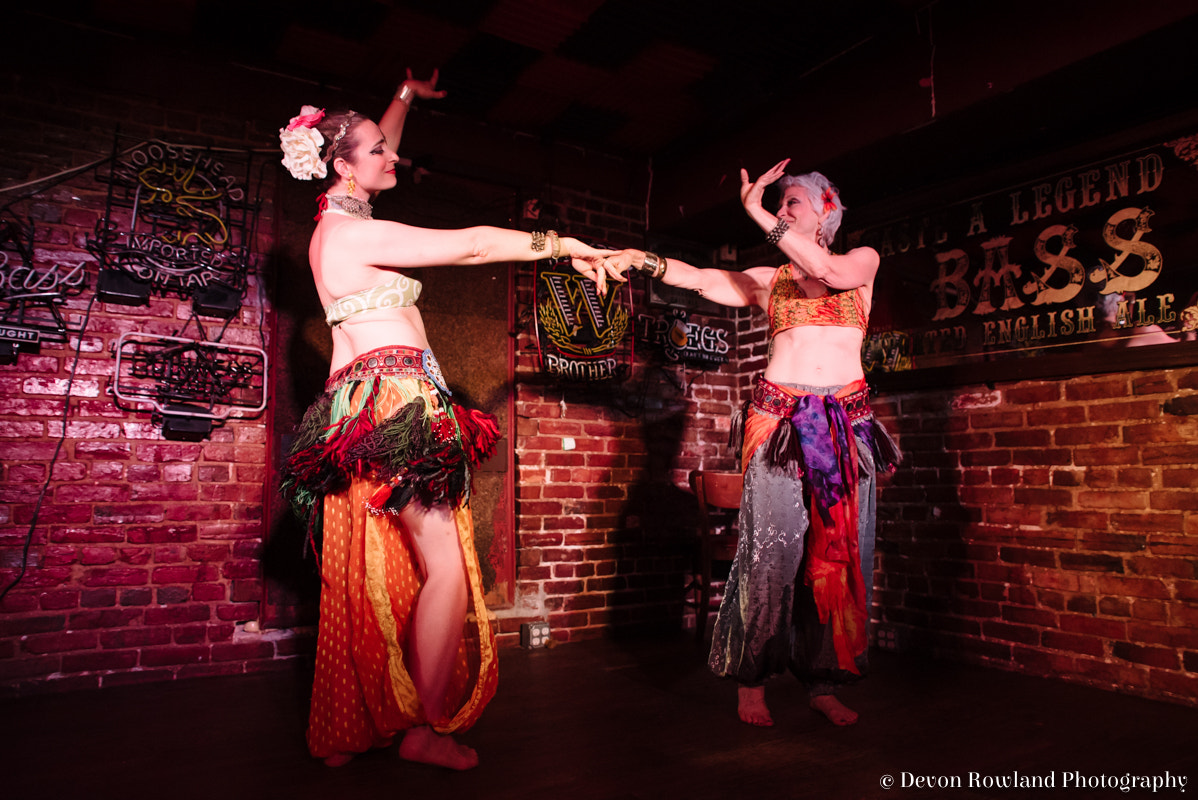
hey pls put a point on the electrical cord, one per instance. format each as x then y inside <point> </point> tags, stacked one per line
<point>66,411</point>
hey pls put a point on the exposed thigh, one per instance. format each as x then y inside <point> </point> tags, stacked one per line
<point>434,533</point>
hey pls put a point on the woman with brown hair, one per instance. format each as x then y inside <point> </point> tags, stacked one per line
<point>382,465</point>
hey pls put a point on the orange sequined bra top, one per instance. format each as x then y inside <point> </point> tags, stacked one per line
<point>790,308</point>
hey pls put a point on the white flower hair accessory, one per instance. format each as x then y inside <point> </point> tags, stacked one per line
<point>301,144</point>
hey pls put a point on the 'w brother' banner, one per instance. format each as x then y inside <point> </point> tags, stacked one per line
<point>581,336</point>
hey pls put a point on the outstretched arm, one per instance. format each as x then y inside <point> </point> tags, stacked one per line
<point>725,287</point>
<point>848,271</point>
<point>383,243</point>
<point>392,121</point>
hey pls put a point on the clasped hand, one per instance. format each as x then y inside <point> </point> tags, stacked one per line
<point>599,265</point>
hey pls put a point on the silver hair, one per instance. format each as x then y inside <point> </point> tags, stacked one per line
<point>815,184</point>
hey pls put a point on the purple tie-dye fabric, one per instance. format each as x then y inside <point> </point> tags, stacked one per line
<point>824,433</point>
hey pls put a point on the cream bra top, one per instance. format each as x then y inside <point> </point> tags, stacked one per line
<point>399,292</point>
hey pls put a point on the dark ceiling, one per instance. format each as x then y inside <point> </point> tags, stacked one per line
<point>884,94</point>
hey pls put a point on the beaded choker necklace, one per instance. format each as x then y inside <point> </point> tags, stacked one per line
<point>351,205</point>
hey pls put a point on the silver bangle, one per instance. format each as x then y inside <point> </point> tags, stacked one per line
<point>405,95</point>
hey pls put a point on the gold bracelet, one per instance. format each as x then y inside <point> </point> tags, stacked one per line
<point>654,264</point>
<point>538,241</point>
<point>557,245</point>
<point>405,95</point>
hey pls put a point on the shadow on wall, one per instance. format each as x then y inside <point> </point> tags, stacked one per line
<point>926,581</point>
<point>656,539</point>
<point>301,350</point>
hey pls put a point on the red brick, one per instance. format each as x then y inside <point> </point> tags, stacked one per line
<point>208,592</point>
<point>169,492</point>
<point>95,598</point>
<point>13,669</point>
<point>59,599</point>
<point>1183,686</point>
<point>99,660</point>
<point>172,656</point>
<point>1149,656</point>
<point>1136,409</point>
<point>1106,628</point>
<point>1086,435</point>
<point>1163,567</point>
<point>239,612</point>
<point>1185,454</point>
<point>42,644</point>
<point>190,634</point>
<point>1167,500</point>
<point>1074,643</point>
<point>175,574</point>
<point>1132,587</point>
<point>117,576</point>
<point>242,651</point>
<point>178,614</point>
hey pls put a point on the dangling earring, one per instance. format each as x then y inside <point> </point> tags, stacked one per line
<point>349,187</point>
<point>819,234</point>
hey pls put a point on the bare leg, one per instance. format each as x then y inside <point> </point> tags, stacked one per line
<point>750,706</point>
<point>436,631</point>
<point>836,712</point>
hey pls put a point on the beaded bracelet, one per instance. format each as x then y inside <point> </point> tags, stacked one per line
<point>775,236</point>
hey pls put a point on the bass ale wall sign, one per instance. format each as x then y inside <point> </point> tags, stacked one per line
<point>581,336</point>
<point>1088,269</point>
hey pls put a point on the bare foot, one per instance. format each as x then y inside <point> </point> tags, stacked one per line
<point>425,745</point>
<point>750,706</point>
<point>339,759</point>
<point>836,712</point>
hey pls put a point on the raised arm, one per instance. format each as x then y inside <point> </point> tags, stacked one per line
<point>848,271</point>
<point>392,121</point>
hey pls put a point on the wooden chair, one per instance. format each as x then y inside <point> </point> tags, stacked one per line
<point>718,494</point>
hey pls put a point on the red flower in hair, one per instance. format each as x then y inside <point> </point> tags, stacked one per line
<point>308,118</point>
<point>829,199</point>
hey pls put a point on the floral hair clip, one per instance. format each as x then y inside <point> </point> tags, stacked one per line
<point>829,199</point>
<point>301,144</point>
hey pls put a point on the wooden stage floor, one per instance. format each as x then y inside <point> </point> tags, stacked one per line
<point>612,720</point>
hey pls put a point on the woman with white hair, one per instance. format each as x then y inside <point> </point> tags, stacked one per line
<point>797,596</point>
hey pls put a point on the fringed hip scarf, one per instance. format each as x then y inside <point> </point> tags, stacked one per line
<point>812,437</point>
<point>423,447</point>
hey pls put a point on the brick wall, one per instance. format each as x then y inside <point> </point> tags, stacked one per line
<point>144,562</point>
<point>1049,527</point>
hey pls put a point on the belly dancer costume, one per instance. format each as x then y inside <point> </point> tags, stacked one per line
<point>810,456</point>
<point>385,434</point>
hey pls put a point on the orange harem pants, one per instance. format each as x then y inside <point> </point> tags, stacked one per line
<point>363,693</point>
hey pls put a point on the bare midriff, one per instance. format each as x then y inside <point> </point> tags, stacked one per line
<point>816,355</point>
<point>370,330</point>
